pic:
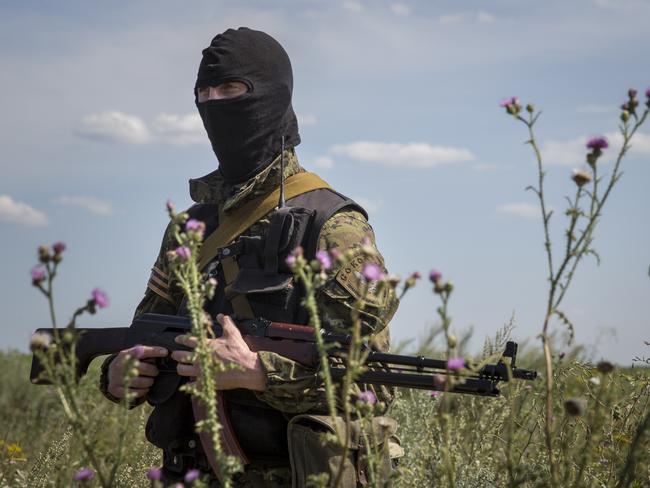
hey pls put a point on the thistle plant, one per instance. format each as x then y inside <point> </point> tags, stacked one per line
<point>583,213</point>
<point>57,356</point>
<point>196,288</point>
<point>343,398</point>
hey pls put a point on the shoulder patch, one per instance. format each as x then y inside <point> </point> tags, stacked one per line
<point>351,278</point>
<point>159,283</point>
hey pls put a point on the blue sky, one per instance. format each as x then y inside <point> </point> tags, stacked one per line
<point>398,108</point>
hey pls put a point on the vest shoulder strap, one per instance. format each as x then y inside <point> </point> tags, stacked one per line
<point>325,202</point>
<point>241,219</point>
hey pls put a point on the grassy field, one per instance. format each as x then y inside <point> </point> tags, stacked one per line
<point>490,441</point>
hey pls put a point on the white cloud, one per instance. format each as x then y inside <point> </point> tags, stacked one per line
<point>564,153</point>
<point>640,143</point>
<point>522,210</point>
<point>412,155</point>
<point>371,205</point>
<point>114,126</point>
<point>305,120</point>
<point>400,9</point>
<point>180,129</point>
<point>323,162</point>
<point>485,17</point>
<point>574,151</point>
<point>90,204</point>
<point>352,6</point>
<point>450,19</point>
<point>20,213</point>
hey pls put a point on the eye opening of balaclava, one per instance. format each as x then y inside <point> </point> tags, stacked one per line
<point>246,131</point>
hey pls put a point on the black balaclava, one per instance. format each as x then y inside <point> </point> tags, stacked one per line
<point>246,131</point>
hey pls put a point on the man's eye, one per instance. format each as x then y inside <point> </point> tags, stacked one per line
<point>234,87</point>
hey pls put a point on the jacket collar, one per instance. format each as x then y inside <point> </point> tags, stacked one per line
<point>212,188</point>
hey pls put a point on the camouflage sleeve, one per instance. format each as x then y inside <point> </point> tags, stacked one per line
<point>292,387</point>
<point>160,296</point>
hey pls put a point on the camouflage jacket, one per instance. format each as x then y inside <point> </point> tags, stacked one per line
<point>290,385</point>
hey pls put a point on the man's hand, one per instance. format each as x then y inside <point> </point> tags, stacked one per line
<point>230,348</point>
<point>146,372</point>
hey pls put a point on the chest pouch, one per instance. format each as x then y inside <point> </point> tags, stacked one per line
<point>258,281</point>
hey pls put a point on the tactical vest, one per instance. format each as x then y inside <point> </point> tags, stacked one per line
<point>263,278</point>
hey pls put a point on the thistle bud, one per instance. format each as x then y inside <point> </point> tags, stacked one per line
<point>580,177</point>
<point>605,367</point>
<point>393,281</point>
<point>530,108</point>
<point>625,116</point>
<point>171,209</point>
<point>43,253</point>
<point>452,341</point>
<point>575,406</point>
<point>631,93</point>
<point>40,341</point>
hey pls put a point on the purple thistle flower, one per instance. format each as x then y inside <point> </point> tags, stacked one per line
<point>84,474</point>
<point>99,297</point>
<point>434,394</point>
<point>509,101</point>
<point>367,397</point>
<point>335,253</point>
<point>455,364</point>
<point>192,475</point>
<point>58,247</point>
<point>372,272</point>
<point>435,276</point>
<point>597,143</point>
<point>38,273</point>
<point>415,275</point>
<point>170,206</point>
<point>183,252</point>
<point>324,259</point>
<point>194,225</point>
<point>647,93</point>
<point>154,474</point>
<point>291,261</point>
<point>632,93</point>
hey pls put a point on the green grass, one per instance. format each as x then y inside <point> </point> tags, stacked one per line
<point>492,442</point>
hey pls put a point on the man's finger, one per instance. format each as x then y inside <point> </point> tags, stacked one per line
<point>187,340</point>
<point>142,352</point>
<point>139,392</point>
<point>118,392</point>
<point>227,324</point>
<point>147,369</point>
<point>187,369</point>
<point>141,382</point>
<point>182,357</point>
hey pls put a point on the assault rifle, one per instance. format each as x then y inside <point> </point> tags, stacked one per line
<point>296,342</point>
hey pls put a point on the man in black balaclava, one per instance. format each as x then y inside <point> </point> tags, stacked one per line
<point>243,94</point>
<point>246,131</point>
